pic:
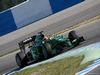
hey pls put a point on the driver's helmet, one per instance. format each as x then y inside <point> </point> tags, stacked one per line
<point>45,38</point>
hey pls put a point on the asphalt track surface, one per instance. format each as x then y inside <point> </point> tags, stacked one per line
<point>51,24</point>
<point>91,33</point>
<point>95,71</point>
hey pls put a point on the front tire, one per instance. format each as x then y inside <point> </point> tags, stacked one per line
<point>21,59</point>
<point>72,36</point>
<point>46,49</point>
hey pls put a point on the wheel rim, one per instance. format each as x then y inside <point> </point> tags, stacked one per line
<point>18,60</point>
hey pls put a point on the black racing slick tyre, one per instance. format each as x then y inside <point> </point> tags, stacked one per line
<point>21,59</point>
<point>46,48</point>
<point>72,35</point>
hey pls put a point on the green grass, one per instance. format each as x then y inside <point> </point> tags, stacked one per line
<point>68,66</point>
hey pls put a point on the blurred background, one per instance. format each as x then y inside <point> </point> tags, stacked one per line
<point>5,4</point>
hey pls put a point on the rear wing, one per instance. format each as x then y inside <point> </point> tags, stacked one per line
<point>26,41</point>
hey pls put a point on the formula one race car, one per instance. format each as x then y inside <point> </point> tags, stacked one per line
<point>42,47</point>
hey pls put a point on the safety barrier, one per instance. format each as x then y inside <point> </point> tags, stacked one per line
<point>7,23</point>
<point>31,11</point>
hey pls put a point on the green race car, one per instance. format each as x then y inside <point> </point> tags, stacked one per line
<point>41,47</point>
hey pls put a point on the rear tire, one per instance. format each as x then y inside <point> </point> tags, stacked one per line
<point>21,59</point>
